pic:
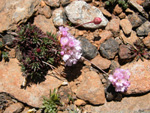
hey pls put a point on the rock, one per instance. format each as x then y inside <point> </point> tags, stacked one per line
<point>105,35</point>
<point>53,3</point>
<point>109,48</point>
<point>91,89</point>
<point>131,39</point>
<point>126,105</point>
<point>79,12</point>
<point>79,102</point>
<point>125,53</point>
<point>105,12</point>
<point>8,40</point>
<point>46,11</point>
<point>89,51</point>
<point>144,29</point>
<point>117,10</point>
<point>138,7</point>
<point>12,79</point>
<point>14,108</point>
<point>20,11</point>
<point>135,20</point>
<point>146,41</point>
<point>142,18</point>
<point>146,4</point>
<point>140,77</point>
<point>12,53</point>
<point>101,62</point>
<point>113,25</point>
<point>122,15</point>
<point>46,25</point>
<point>128,10</point>
<point>65,2</point>
<point>114,65</point>
<point>126,26</point>
<point>59,17</point>
<point>140,2</point>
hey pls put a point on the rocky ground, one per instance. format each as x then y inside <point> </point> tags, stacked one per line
<point>106,45</point>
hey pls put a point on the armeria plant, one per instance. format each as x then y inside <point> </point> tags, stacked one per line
<point>37,48</point>
<point>71,52</point>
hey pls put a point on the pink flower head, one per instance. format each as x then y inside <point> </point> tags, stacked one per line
<point>70,47</point>
<point>97,20</point>
<point>119,79</point>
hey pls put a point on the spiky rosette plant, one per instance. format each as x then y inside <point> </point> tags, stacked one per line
<point>37,48</point>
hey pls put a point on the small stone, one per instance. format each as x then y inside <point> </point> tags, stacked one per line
<point>79,102</point>
<point>128,10</point>
<point>109,48</point>
<point>135,20</point>
<point>14,108</point>
<point>59,17</point>
<point>114,65</point>
<point>113,26</point>
<point>146,4</point>
<point>79,12</point>
<point>146,41</point>
<point>144,29</point>
<point>140,2</point>
<point>91,89</point>
<point>140,77</point>
<point>105,35</point>
<point>122,15</point>
<point>46,25</point>
<point>105,12</point>
<point>125,53</point>
<point>53,3</point>
<point>89,51</point>
<point>12,53</point>
<point>101,62</point>
<point>117,10</point>
<point>126,26</point>
<point>65,2</point>
<point>46,11</point>
<point>8,40</point>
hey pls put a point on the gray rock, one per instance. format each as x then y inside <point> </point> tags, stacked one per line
<point>109,48</point>
<point>59,17</point>
<point>8,40</point>
<point>53,3</point>
<point>65,2</point>
<point>135,20</point>
<point>89,51</point>
<point>15,12</point>
<point>80,12</point>
<point>144,29</point>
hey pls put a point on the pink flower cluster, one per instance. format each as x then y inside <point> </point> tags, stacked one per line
<point>119,79</point>
<point>70,47</point>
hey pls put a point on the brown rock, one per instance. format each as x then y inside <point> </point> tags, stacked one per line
<point>46,25</point>
<point>15,12</point>
<point>128,10</point>
<point>91,89</point>
<point>126,105</point>
<point>146,41</point>
<point>52,3</point>
<point>126,26</point>
<point>14,108</point>
<point>101,62</point>
<point>140,2</point>
<point>46,11</point>
<point>12,53</point>
<point>113,26</point>
<point>105,12</point>
<point>117,10</point>
<point>122,15</point>
<point>11,81</point>
<point>79,102</point>
<point>140,77</point>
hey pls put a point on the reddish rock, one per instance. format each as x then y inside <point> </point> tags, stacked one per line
<point>140,2</point>
<point>146,41</point>
<point>11,81</point>
<point>122,15</point>
<point>14,108</point>
<point>126,105</point>
<point>105,12</point>
<point>46,25</point>
<point>126,26</point>
<point>91,89</point>
<point>117,10</point>
<point>140,77</point>
<point>105,34</point>
<point>79,102</point>
<point>53,3</point>
<point>46,11</point>
<point>101,62</point>
<point>113,25</point>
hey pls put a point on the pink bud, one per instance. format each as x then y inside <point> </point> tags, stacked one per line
<point>97,20</point>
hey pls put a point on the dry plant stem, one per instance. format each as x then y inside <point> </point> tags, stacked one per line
<point>95,65</point>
